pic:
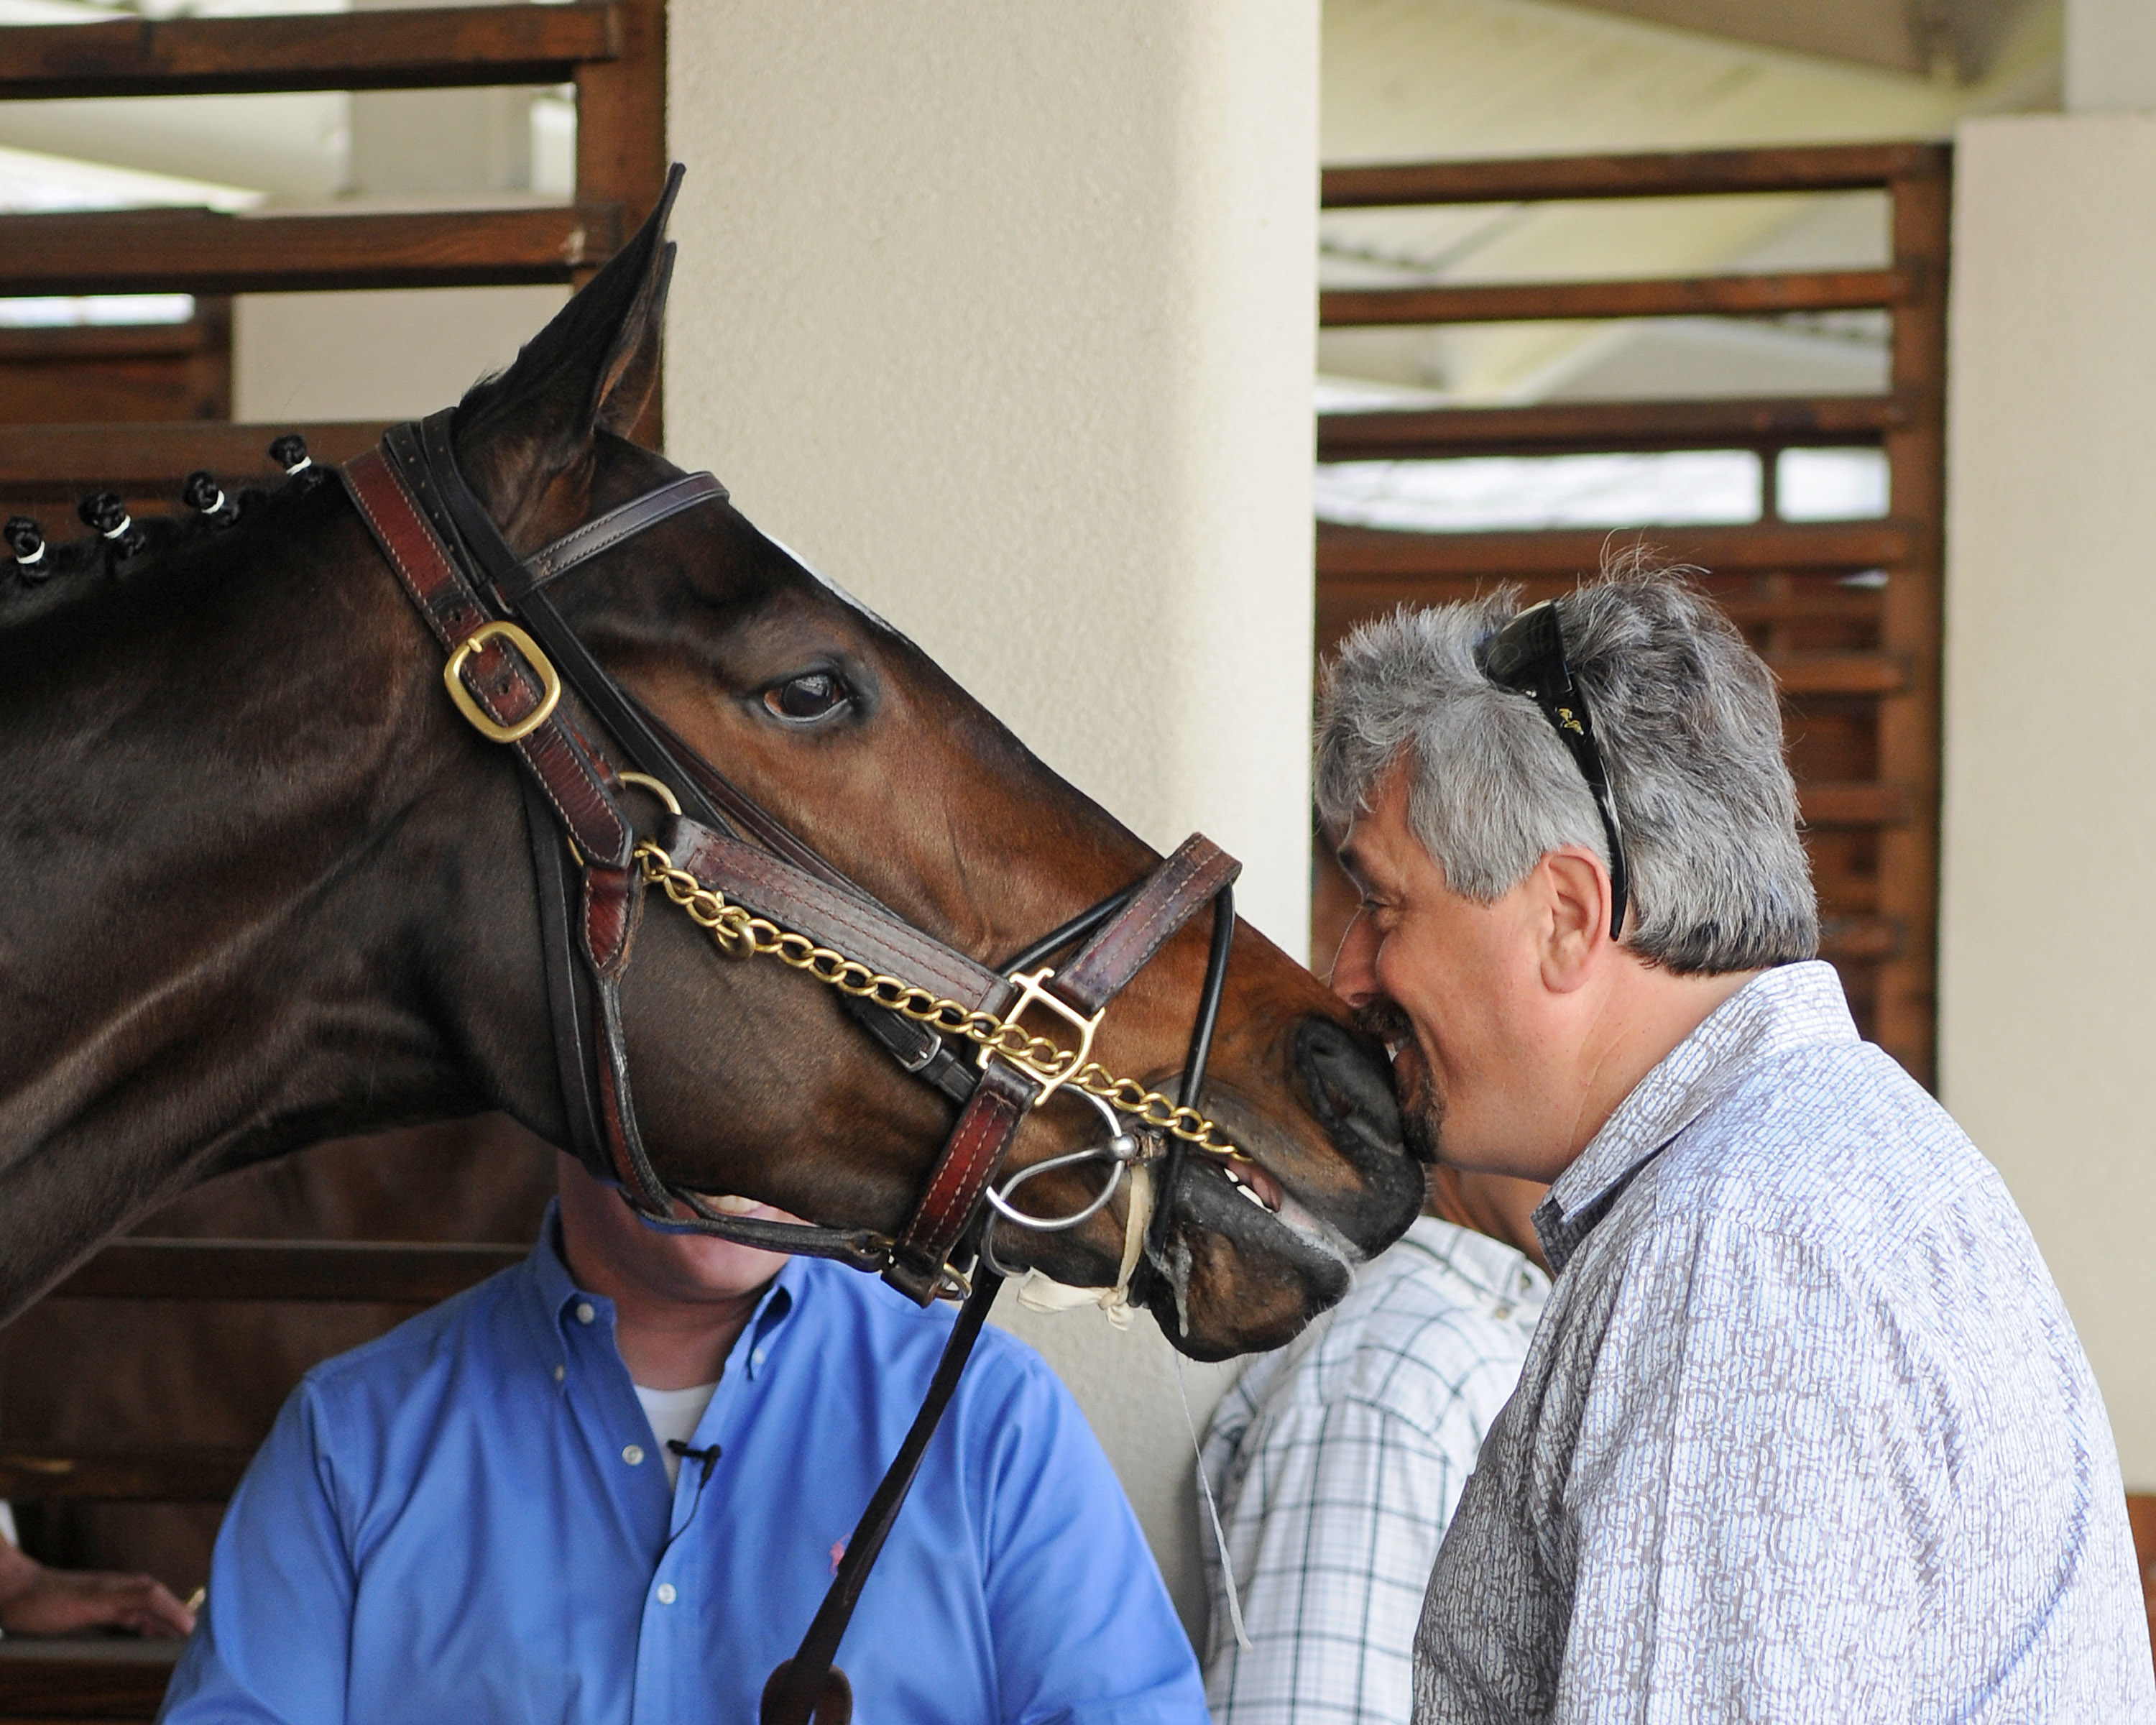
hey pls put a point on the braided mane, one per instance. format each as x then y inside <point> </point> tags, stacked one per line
<point>148,547</point>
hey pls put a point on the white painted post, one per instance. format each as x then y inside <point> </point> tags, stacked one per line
<point>2047,925</point>
<point>2111,56</point>
<point>1004,316</point>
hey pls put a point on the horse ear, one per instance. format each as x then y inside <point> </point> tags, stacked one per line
<point>632,373</point>
<point>593,368</point>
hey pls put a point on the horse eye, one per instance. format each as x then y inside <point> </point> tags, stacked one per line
<point>809,696</point>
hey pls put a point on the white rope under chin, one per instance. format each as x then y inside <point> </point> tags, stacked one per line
<point>1043,1293</point>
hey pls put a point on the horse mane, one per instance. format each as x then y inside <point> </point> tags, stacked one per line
<point>157,546</point>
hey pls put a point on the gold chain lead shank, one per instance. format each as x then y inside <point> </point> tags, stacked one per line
<point>739,932</point>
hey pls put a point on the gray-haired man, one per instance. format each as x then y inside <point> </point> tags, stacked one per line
<point>1805,1433</point>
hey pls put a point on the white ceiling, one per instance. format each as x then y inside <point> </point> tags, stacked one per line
<point>1956,39</point>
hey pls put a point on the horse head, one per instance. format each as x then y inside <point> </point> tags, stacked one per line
<point>336,920</point>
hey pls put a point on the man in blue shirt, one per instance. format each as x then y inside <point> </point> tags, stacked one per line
<point>471,1519</point>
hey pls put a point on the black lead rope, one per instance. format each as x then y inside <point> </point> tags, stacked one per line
<point>810,1689</point>
<point>809,1686</point>
<point>1193,1076</point>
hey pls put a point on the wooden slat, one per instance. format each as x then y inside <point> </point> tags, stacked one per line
<point>1677,296</point>
<point>621,144</point>
<point>1347,554</point>
<point>1844,804</point>
<point>96,341</point>
<point>200,252</point>
<point>400,1274</point>
<point>357,50</point>
<point>97,1681</point>
<point>1850,673</point>
<point>41,459</point>
<point>1568,428</point>
<point>1534,179</point>
<point>1861,940</point>
<point>163,1473</point>
<point>1810,602</point>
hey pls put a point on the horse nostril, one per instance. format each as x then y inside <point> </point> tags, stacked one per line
<point>1351,1090</point>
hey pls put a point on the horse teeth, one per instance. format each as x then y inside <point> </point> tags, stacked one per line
<point>1242,1186</point>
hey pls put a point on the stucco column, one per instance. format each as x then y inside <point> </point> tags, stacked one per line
<point>2111,56</point>
<point>2048,921</point>
<point>1003,316</point>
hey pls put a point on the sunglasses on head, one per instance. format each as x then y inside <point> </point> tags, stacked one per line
<point>1527,656</point>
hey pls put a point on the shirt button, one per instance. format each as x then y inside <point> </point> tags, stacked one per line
<point>632,1454</point>
<point>665,1592</point>
<point>585,1311</point>
<point>560,1372</point>
<point>757,1358</point>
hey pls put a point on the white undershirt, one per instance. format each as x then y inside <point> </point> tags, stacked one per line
<point>673,1414</point>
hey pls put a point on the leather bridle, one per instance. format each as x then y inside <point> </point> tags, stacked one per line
<point>511,655</point>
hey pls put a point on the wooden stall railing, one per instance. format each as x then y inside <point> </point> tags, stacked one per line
<point>612,51</point>
<point>358,1272</point>
<point>1859,663</point>
<point>134,410</point>
<point>125,1681</point>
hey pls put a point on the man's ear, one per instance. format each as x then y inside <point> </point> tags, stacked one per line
<point>1572,887</point>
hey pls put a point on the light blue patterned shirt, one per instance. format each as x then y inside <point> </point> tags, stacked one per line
<point>1805,1433</point>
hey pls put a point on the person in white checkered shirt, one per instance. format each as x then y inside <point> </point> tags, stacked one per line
<point>1337,1460</point>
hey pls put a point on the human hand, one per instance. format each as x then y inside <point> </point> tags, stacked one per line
<point>35,1600</point>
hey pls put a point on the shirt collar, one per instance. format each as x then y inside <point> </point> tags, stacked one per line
<point>1791,1007</point>
<point>555,1296</point>
<point>1487,1266</point>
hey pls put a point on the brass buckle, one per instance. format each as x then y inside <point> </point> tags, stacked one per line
<point>481,721</point>
<point>1032,992</point>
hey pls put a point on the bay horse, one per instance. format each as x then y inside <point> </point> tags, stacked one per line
<point>264,885</point>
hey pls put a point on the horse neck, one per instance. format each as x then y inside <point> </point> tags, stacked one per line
<point>217,783</point>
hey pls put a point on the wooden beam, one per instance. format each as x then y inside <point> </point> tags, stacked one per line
<point>435,49</point>
<point>1534,179</point>
<point>45,460</point>
<point>1571,428</point>
<point>1675,296</point>
<point>356,1271</point>
<point>162,1473</point>
<point>198,251</point>
<point>1912,623</point>
<point>1353,554</point>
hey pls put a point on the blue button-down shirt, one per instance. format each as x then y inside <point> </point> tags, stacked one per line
<point>468,1521</point>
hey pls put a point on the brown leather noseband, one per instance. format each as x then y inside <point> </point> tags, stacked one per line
<point>510,656</point>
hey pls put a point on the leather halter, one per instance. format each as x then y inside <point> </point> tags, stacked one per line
<point>507,676</point>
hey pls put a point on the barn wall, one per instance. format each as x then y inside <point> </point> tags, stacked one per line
<point>1003,316</point>
<point>2048,926</point>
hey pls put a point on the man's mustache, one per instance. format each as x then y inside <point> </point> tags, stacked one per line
<point>1386,1021</point>
<point>1422,1109</point>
